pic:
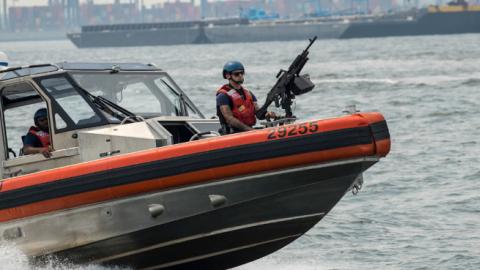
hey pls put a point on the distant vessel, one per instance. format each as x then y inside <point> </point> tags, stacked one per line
<point>205,31</point>
<point>457,18</point>
<point>276,30</point>
<point>144,34</point>
<point>434,20</point>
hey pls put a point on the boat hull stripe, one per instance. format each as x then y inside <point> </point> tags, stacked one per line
<point>217,232</point>
<point>380,131</point>
<point>204,256</point>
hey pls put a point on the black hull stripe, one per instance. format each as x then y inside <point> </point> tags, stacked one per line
<point>380,131</point>
<point>185,164</point>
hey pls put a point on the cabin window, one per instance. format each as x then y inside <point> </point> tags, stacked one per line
<point>174,106</point>
<point>191,112</point>
<point>72,103</point>
<point>20,102</point>
<point>147,95</point>
<point>17,122</point>
<point>141,92</point>
<point>59,122</point>
<point>176,100</point>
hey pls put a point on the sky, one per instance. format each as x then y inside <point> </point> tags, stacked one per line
<point>146,2</point>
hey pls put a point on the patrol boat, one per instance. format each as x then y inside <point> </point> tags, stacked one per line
<point>140,178</point>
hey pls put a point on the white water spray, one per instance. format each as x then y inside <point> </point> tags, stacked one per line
<point>11,258</point>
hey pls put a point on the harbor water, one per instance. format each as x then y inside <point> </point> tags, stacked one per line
<point>419,207</point>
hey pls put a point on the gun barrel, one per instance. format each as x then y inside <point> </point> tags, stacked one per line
<point>305,52</point>
<point>301,59</point>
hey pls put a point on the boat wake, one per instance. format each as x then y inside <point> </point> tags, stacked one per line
<point>13,259</point>
<point>293,259</point>
<point>358,80</point>
<point>472,82</point>
<point>442,80</point>
<point>284,264</point>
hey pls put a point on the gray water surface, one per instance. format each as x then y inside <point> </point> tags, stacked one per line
<point>419,207</point>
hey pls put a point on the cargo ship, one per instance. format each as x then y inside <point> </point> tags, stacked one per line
<point>205,31</point>
<point>434,20</point>
<point>456,18</point>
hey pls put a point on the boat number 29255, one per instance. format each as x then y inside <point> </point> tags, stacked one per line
<point>293,130</point>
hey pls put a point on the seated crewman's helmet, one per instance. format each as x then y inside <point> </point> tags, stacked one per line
<point>39,114</point>
<point>231,66</point>
<point>3,61</point>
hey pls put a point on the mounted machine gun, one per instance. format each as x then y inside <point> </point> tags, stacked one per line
<point>289,84</point>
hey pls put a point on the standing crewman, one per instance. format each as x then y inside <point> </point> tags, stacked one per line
<point>236,106</point>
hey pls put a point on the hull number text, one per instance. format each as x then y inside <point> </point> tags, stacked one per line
<point>293,130</point>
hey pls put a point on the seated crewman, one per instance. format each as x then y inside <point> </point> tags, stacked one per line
<point>37,140</point>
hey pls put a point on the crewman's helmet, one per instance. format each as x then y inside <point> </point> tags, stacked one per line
<point>3,61</point>
<point>39,114</point>
<point>232,66</point>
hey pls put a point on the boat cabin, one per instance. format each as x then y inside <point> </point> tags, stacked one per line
<point>95,110</point>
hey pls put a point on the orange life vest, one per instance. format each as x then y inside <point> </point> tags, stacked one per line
<point>243,109</point>
<point>42,136</point>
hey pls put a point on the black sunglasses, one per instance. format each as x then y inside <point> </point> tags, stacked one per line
<point>238,73</point>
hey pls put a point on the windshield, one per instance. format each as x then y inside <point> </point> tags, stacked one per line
<point>68,99</point>
<point>147,95</point>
